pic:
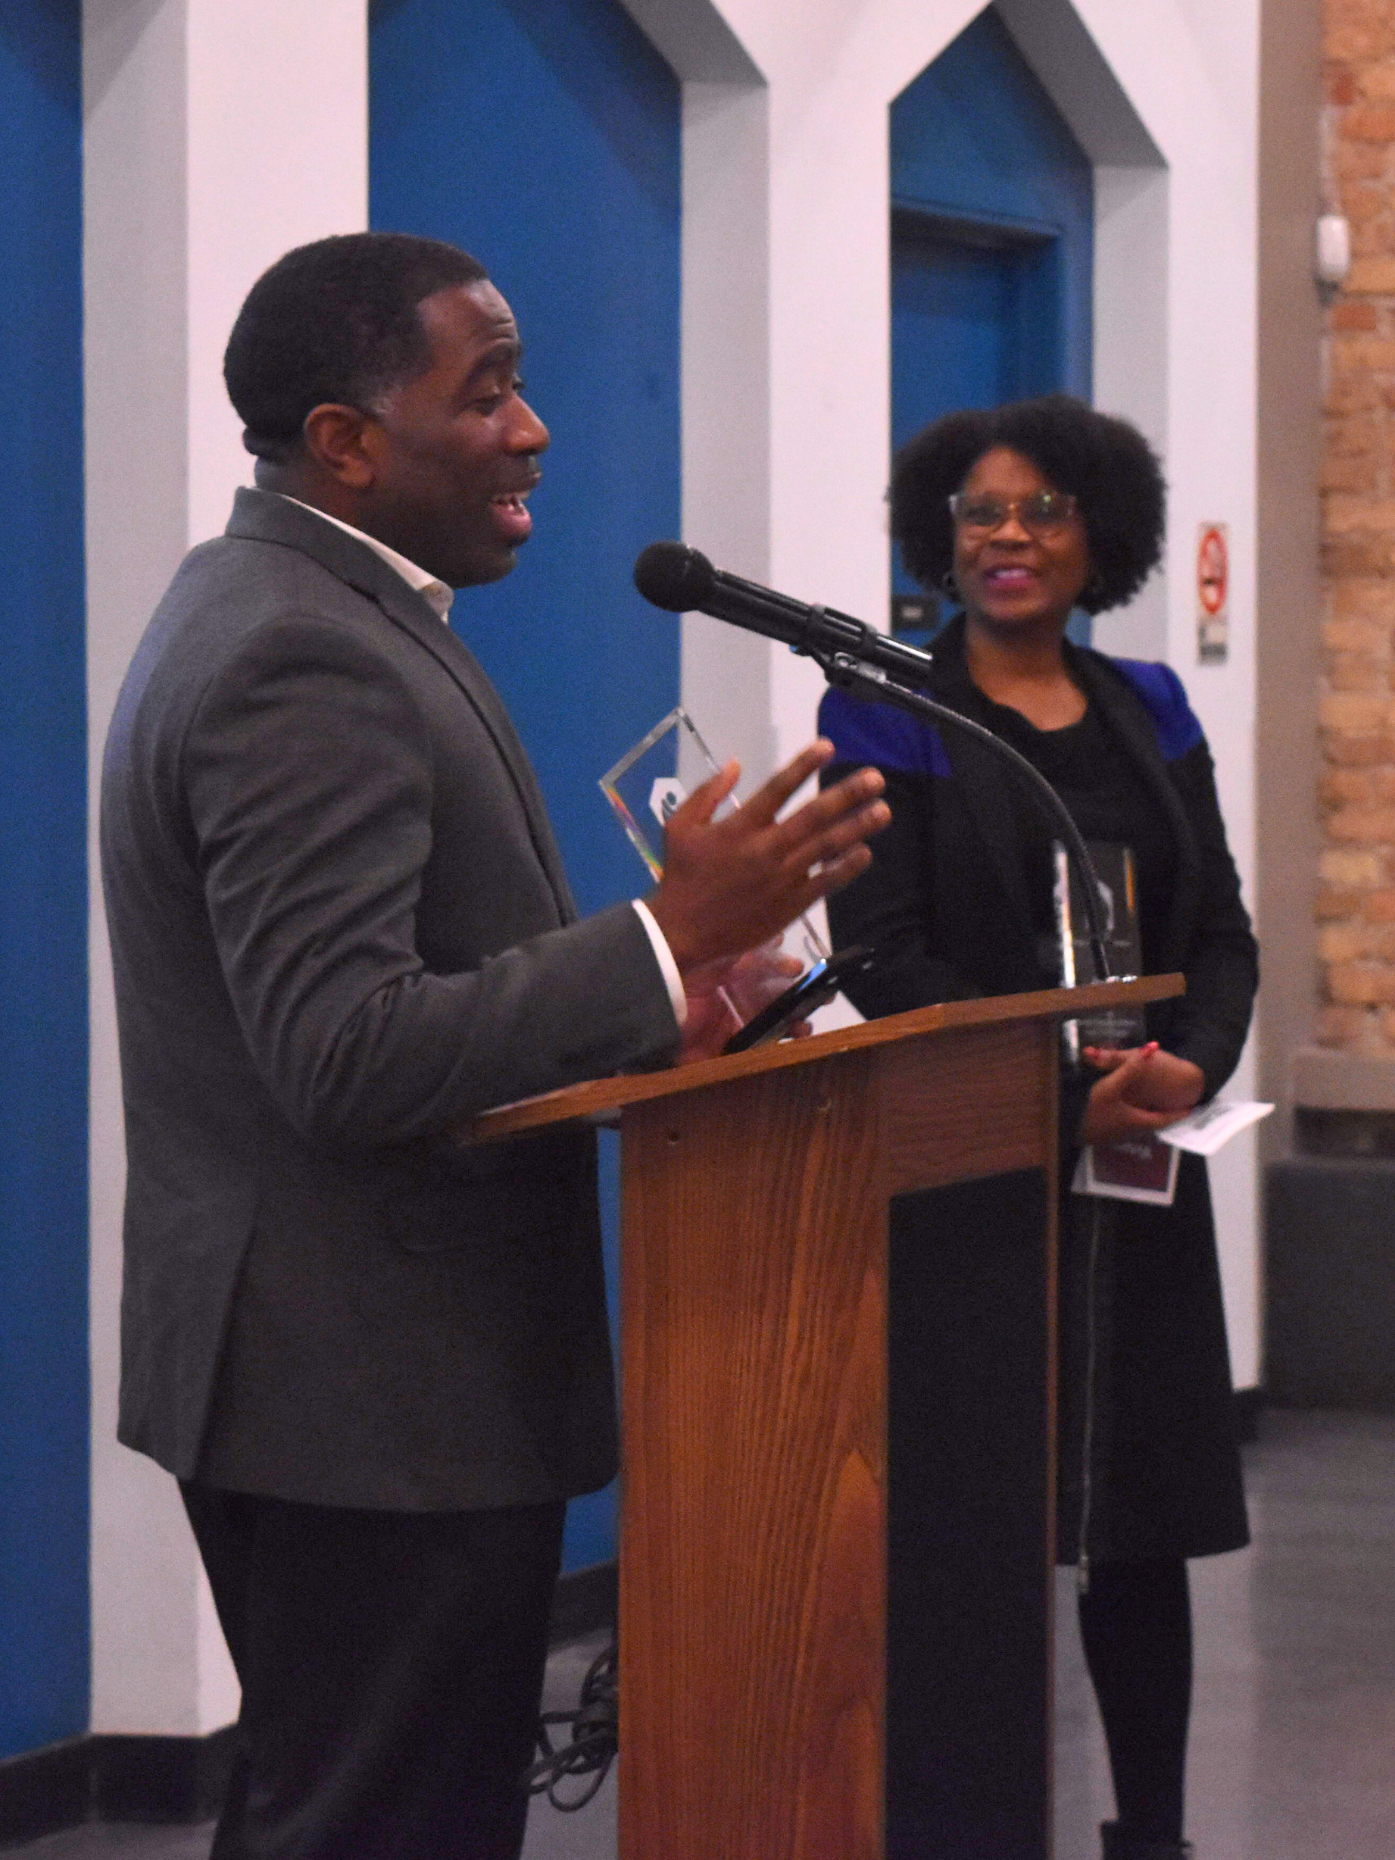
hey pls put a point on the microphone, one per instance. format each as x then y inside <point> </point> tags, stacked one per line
<point>682,580</point>
<point>858,658</point>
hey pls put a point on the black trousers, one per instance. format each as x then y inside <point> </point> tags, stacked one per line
<point>391,1667</point>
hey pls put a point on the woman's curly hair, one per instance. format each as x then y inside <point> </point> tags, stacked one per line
<point>1106,464</point>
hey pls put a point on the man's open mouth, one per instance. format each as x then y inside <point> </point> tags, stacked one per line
<point>511,514</point>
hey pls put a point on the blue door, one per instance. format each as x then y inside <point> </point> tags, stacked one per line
<point>543,136</point>
<point>991,245</point>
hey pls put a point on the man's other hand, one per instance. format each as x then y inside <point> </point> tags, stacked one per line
<point>731,885</point>
<point>723,996</point>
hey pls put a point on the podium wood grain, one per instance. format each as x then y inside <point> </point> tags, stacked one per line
<point>753,1574</point>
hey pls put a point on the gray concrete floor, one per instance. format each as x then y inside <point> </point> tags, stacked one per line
<point>1293,1730</point>
<point>1293,1724</point>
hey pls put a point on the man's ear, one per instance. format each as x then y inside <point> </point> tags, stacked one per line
<point>335,440</point>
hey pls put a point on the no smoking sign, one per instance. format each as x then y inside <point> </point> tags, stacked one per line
<point>1213,593</point>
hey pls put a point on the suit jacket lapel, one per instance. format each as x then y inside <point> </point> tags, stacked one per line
<point>475,682</point>
<point>264,516</point>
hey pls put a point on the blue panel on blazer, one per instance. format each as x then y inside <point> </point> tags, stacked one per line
<point>44,1397</point>
<point>543,135</point>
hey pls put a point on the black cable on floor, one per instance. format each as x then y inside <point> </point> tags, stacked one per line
<point>595,1736</point>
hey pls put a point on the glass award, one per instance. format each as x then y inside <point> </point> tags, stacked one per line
<point>654,778</point>
<point>1123,944</point>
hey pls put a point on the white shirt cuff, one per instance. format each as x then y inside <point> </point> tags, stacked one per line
<point>663,955</point>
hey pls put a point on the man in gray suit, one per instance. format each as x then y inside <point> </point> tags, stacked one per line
<point>378,1364</point>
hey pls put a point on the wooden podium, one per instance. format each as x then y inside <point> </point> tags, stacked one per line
<point>838,1415</point>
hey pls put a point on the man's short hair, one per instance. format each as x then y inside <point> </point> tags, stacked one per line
<point>334,321</point>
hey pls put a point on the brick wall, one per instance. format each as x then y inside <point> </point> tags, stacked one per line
<point>1356,896</point>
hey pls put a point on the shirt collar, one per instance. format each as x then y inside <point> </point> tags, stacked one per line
<point>434,592</point>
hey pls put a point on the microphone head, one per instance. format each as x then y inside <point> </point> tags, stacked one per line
<point>672,575</point>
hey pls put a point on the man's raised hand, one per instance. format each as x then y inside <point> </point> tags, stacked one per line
<point>723,996</point>
<point>731,884</point>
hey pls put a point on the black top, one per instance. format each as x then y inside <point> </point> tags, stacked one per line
<point>1108,800</point>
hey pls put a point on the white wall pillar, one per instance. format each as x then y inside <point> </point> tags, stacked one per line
<point>725,399</point>
<point>217,135</point>
<point>726,403</point>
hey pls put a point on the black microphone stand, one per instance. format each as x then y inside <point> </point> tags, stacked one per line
<point>854,674</point>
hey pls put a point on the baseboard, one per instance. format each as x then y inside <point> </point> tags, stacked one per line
<point>105,1777</point>
<point>1248,1405</point>
<point>45,1790</point>
<point>156,1779</point>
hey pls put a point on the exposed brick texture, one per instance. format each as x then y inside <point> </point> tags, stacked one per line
<point>1356,796</point>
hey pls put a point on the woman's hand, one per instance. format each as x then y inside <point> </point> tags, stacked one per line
<point>723,996</point>
<point>1143,1089</point>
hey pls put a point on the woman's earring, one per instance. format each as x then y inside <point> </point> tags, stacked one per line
<point>949,585</point>
<point>1094,589</point>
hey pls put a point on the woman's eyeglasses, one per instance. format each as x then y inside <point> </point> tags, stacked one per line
<point>1041,514</point>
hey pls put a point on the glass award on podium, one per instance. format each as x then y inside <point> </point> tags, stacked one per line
<point>1118,892</point>
<point>643,788</point>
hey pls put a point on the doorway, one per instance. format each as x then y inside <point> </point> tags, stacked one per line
<point>992,247</point>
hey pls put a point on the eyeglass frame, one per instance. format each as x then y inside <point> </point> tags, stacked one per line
<point>1011,507</point>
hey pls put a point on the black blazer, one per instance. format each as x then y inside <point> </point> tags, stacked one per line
<point>945,901</point>
<point>340,926</point>
<point>946,905</point>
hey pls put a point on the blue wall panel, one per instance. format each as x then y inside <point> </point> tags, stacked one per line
<point>543,135</point>
<point>44,1632</point>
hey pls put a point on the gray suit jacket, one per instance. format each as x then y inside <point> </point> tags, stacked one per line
<point>340,926</point>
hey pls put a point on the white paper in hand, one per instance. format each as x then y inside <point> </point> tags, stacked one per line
<point>1212,1126</point>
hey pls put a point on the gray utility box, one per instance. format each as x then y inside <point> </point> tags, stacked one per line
<point>1330,1279</point>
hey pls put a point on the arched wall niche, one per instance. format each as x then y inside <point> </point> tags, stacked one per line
<point>807,137</point>
<point>724,57</point>
<point>803,91</point>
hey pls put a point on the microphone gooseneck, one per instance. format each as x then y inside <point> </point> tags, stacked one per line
<point>855,656</point>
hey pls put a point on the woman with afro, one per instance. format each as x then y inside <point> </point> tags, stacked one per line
<point>1021,515</point>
